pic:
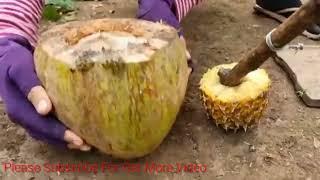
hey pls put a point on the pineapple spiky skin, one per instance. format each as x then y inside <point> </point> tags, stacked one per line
<point>236,115</point>
<point>234,108</point>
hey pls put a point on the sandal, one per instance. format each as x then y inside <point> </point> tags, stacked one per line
<point>281,10</point>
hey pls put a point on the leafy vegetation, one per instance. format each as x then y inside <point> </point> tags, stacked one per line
<point>55,9</point>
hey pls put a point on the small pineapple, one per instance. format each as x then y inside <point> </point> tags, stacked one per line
<point>235,107</point>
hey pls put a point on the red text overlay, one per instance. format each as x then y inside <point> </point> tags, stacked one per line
<point>104,167</point>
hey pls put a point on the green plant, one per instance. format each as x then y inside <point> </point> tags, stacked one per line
<point>54,9</point>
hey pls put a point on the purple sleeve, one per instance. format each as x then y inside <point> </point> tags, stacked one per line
<point>159,10</point>
<point>17,77</point>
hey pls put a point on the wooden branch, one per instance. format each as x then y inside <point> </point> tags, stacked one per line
<point>286,32</point>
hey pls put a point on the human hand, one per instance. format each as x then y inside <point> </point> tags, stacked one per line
<point>162,10</point>
<point>26,101</point>
<point>190,63</point>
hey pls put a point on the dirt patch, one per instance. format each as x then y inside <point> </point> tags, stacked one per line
<point>284,146</point>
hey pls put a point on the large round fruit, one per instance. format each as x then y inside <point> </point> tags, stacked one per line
<point>118,83</point>
<point>235,107</point>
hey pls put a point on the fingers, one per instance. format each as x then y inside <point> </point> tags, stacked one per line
<point>190,63</point>
<point>44,128</point>
<point>23,74</point>
<point>189,71</point>
<point>58,143</point>
<point>40,100</point>
<point>188,55</point>
<point>75,142</point>
<point>22,86</point>
<point>183,40</point>
<point>157,11</point>
<point>72,138</point>
<point>185,44</point>
<point>81,148</point>
<point>21,111</point>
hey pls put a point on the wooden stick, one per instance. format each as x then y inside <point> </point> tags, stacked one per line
<point>286,32</point>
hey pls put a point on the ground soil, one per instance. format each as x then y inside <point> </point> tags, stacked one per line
<point>283,146</point>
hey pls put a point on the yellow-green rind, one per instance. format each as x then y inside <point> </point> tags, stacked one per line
<point>124,110</point>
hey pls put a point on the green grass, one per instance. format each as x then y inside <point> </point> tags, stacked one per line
<point>55,9</point>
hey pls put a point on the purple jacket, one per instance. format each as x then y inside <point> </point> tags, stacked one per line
<point>169,11</point>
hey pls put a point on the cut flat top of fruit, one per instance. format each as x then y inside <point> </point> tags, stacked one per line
<point>253,85</point>
<point>106,40</point>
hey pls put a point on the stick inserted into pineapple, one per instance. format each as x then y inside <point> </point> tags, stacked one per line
<point>235,95</point>
<point>278,38</point>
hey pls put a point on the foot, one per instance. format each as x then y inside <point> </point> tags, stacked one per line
<point>281,10</point>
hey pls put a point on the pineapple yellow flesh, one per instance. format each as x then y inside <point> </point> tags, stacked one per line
<point>239,106</point>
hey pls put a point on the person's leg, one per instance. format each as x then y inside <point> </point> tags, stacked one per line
<point>281,10</point>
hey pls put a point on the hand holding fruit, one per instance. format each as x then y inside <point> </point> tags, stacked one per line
<point>162,11</point>
<point>27,103</point>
